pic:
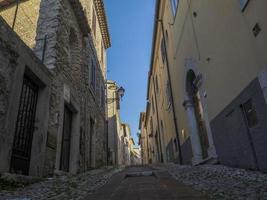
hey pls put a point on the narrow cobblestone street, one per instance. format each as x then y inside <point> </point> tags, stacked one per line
<point>157,182</point>
<point>145,184</point>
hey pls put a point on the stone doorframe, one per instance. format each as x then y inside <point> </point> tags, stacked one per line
<point>191,64</point>
<point>36,74</point>
<point>75,133</point>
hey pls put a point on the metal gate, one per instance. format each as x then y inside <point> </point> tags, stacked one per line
<point>66,139</point>
<point>21,152</point>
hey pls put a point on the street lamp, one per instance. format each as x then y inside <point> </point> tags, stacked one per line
<point>119,90</point>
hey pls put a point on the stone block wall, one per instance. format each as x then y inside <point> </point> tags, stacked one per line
<point>68,55</point>
<point>17,61</point>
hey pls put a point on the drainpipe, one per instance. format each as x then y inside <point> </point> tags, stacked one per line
<point>172,101</point>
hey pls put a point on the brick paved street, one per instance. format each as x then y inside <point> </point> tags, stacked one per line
<point>145,184</point>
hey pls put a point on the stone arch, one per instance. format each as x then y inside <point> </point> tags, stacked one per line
<point>197,116</point>
<point>195,100</point>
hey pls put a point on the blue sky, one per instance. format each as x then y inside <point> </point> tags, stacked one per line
<point>131,27</point>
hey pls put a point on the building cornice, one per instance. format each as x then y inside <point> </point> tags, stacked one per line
<point>102,19</point>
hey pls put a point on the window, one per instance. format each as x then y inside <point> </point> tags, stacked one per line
<point>156,83</point>
<point>151,126</point>
<point>161,125</point>
<point>174,6</point>
<point>163,52</point>
<point>153,104</point>
<point>102,96</point>
<point>250,113</point>
<point>256,30</point>
<point>93,74</point>
<point>168,93</point>
<point>243,4</point>
<point>166,37</point>
<point>102,53</point>
<point>94,22</point>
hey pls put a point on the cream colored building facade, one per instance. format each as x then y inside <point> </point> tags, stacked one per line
<point>214,53</point>
<point>114,122</point>
<point>119,134</point>
<point>125,145</point>
<point>143,139</point>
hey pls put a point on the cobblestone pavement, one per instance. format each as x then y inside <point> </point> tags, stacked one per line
<point>145,184</point>
<point>63,187</point>
<point>221,182</point>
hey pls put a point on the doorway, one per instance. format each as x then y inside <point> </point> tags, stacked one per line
<point>194,97</point>
<point>22,145</point>
<point>66,140</point>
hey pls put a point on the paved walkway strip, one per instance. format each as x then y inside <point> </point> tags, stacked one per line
<point>144,184</point>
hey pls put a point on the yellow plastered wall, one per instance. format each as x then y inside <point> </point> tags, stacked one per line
<point>26,21</point>
<point>220,40</point>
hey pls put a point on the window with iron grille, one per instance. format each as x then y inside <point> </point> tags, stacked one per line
<point>250,113</point>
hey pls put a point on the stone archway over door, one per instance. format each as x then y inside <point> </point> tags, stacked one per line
<point>194,98</point>
<point>203,148</point>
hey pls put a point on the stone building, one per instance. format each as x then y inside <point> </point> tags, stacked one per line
<point>71,38</point>
<point>114,122</point>
<point>135,153</point>
<point>21,72</point>
<point>125,145</point>
<point>119,133</point>
<point>214,55</point>
<point>143,139</point>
